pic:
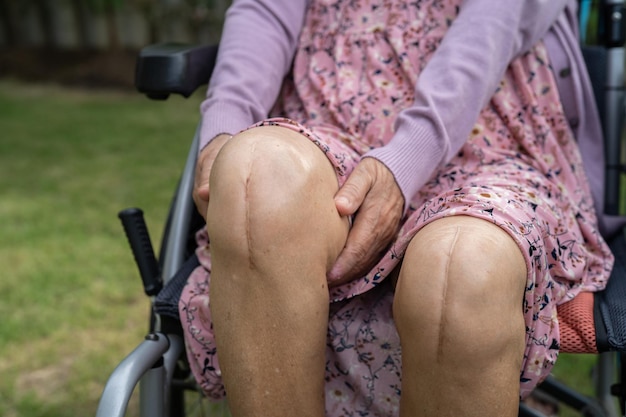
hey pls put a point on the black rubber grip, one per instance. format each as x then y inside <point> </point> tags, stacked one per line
<point>139,240</point>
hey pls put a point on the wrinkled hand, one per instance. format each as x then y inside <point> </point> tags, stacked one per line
<point>372,193</point>
<point>203,172</point>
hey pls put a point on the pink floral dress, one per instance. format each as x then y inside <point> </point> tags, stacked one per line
<point>354,71</point>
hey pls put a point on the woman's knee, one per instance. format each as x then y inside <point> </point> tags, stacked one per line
<point>461,279</point>
<point>269,184</point>
<point>271,161</point>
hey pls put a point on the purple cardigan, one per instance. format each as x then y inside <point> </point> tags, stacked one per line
<point>259,41</point>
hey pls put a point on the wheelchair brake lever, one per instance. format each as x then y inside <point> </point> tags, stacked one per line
<point>141,246</point>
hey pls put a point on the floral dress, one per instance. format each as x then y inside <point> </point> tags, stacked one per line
<point>354,71</point>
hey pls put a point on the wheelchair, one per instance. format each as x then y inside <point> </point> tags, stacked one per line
<point>158,364</point>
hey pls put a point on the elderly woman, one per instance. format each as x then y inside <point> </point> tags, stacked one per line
<point>386,176</point>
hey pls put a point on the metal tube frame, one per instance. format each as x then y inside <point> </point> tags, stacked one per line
<point>182,209</point>
<point>122,382</point>
<point>614,98</point>
<point>144,363</point>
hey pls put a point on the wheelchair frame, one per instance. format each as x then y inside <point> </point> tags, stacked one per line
<point>157,363</point>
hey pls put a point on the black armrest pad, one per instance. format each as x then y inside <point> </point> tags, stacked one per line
<point>168,68</point>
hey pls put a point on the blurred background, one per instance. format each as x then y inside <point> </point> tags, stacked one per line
<point>77,145</point>
<point>93,42</point>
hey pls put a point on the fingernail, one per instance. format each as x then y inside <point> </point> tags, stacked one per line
<point>342,200</point>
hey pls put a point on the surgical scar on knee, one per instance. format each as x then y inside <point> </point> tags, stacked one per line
<point>444,296</point>
<point>247,186</point>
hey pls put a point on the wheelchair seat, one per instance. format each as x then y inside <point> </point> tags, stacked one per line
<point>596,322</point>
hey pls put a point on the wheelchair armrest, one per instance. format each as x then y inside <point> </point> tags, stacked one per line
<point>172,68</point>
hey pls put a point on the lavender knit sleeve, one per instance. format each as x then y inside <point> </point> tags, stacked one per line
<point>256,50</point>
<point>458,82</point>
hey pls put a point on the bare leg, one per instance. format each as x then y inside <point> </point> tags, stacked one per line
<point>458,309</point>
<point>274,233</point>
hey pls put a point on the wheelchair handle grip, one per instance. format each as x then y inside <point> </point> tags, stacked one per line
<point>141,246</point>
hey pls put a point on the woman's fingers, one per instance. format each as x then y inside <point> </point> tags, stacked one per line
<point>372,194</point>
<point>203,172</point>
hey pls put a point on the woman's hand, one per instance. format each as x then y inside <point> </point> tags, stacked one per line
<point>370,192</point>
<point>203,172</point>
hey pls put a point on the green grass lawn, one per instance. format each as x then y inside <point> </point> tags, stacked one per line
<point>71,302</point>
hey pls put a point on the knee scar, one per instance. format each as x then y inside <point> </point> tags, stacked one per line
<point>247,187</point>
<point>443,318</point>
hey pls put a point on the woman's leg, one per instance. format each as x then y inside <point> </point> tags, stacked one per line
<point>458,309</point>
<point>274,233</point>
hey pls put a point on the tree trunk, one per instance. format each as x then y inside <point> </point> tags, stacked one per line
<point>111,24</point>
<point>79,11</point>
<point>9,23</point>
<point>150,12</point>
<point>47,23</point>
